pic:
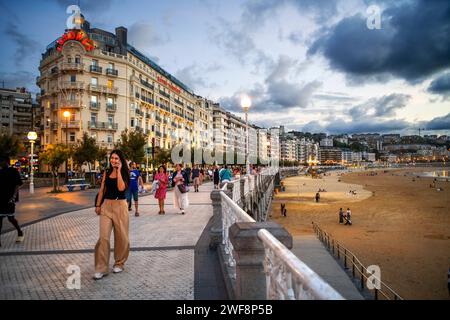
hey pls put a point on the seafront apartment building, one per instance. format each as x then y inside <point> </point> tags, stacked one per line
<point>109,86</point>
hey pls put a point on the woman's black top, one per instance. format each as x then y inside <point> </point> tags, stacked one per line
<point>112,192</point>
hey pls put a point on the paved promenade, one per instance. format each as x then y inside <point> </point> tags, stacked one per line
<point>161,263</point>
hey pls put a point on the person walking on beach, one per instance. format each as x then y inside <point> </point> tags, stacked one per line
<point>317,197</point>
<point>348,217</point>
<point>163,181</point>
<point>341,216</point>
<point>195,176</point>
<point>111,207</point>
<point>180,195</point>
<point>216,178</point>
<point>9,188</point>
<point>132,192</point>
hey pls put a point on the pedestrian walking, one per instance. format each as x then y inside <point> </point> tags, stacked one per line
<point>348,217</point>
<point>225,174</point>
<point>341,216</point>
<point>163,181</point>
<point>180,194</point>
<point>202,175</point>
<point>216,178</point>
<point>133,189</point>
<point>9,194</point>
<point>188,175</point>
<point>195,176</point>
<point>111,207</point>
<point>317,197</point>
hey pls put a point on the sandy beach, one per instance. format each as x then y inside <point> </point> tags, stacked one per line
<point>399,223</point>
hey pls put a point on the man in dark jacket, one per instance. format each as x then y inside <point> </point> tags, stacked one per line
<point>8,194</point>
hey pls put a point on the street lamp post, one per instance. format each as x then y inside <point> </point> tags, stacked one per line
<point>246,102</point>
<point>66,115</point>
<point>32,136</point>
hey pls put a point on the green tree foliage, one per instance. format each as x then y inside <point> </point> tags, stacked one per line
<point>162,157</point>
<point>10,145</point>
<point>86,151</point>
<point>132,144</point>
<point>54,156</point>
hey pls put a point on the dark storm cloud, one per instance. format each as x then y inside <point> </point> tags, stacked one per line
<point>441,85</point>
<point>25,46</point>
<point>413,43</point>
<point>385,106</point>
<point>277,93</point>
<point>19,79</point>
<point>439,123</point>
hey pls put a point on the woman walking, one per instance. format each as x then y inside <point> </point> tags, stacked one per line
<point>111,206</point>
<point>216,178</point>
<point>163,181</point>
<point>179,181</point>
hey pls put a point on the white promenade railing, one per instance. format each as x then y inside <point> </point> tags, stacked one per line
<point>287,277</point>
<point>231,213</point>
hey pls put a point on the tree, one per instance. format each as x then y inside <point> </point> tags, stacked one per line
<point>10,145</point>
<point>54,156</point>
<point>162,157</point>
<point>132,143</point>
<point>86,151</point>
<point>101,156</point>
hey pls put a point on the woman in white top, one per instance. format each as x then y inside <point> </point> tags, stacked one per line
<point>180,200</point>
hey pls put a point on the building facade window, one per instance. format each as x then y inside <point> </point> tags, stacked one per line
<point>94,81</point>
<point>110,138</point>
<point>93,118</point>
<point>73,78</point>
<point>72,136</point>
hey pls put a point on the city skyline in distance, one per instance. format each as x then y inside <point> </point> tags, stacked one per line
<point>312,66</point>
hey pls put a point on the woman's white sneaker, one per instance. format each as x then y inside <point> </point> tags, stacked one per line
<point>117,269</point>
<point>98,275</point>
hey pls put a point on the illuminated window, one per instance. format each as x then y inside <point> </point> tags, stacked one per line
<point>110,84</point>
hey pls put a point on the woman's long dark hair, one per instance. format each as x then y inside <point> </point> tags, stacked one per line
<point>125,171</point>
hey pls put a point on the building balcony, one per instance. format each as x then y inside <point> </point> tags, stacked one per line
<point>70,124</point>
<point>76,85</point>
<point>164,94</point>
<point>111,107</point>
<point>102,126</point>
<point>103,89</point>
<point>94,106</point>
<point>71,66</point>
<point>178,102</point>
<point>158,134</point>
<point>147,84</point>
<point>191,108</point>
<point>112,72</point>
<point>53,106</point>
<point>71,104</point>
<point>158,119</point>
<point>95,69</point>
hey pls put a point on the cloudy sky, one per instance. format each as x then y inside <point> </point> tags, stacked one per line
<point>311,65</point>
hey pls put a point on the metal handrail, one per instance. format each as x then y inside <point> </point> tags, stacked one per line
<point>355,264</point>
